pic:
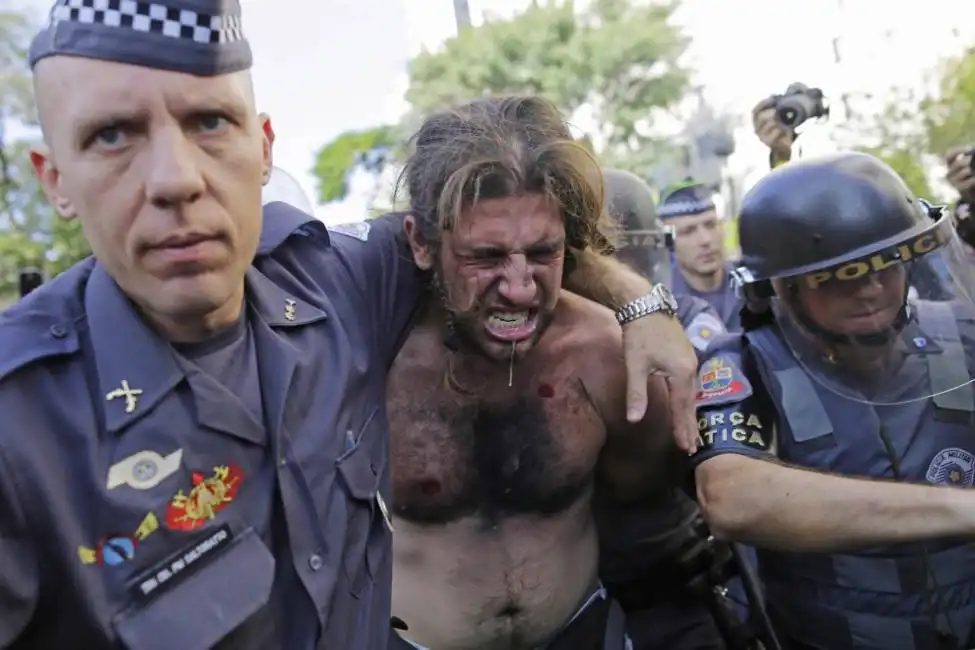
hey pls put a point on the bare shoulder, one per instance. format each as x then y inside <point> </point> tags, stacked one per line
<point>585,323</point>
<point>590,339</point>
<point>593,340</point>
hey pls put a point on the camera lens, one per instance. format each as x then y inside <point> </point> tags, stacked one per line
<point>791,113</point>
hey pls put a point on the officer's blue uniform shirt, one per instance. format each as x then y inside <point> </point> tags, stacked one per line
<point>144,505</point>
<point>690,198</point>
<point>724,300</point>
<point>756,400</point>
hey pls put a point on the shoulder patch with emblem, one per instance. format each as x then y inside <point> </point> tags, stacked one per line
<point>703,328</point>
<point>721,381</point>
<point>357,229</point>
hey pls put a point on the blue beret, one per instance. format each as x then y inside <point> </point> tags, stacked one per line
<point>198,37</point>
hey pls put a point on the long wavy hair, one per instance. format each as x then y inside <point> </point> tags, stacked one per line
<point>498,147</point>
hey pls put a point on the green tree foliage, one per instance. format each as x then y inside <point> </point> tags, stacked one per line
<point>16,98</point>
<point>949,114</point>
<point>895,136</point>
<point>913,130</point>
<point>619,57</point>
<point>334,161</point>
<point>31,234</point>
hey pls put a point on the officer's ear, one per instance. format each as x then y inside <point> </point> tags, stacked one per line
<point>422,255</point>
<point>47,172</point>
<point>268,136</point>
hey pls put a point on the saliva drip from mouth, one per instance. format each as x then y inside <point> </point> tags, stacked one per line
<point>511,364</point>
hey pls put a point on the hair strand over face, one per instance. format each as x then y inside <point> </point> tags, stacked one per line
<point>501,147</point>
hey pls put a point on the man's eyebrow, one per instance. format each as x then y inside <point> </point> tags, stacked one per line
<point>211,104</point>
<point>86,126</point>
<point>547,244</point>
<point>541,246</point>
<point>100,118</point>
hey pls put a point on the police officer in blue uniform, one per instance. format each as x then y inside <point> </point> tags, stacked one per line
<point>641,543</point>
<point>644,244</point>
<point>194,445</point>
<point>700,268</point>
<point>837,430</point>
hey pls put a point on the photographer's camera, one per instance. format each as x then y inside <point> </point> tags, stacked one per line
<point>798,104</point>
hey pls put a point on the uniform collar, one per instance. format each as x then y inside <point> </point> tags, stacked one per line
<point>136,367</point>
<point>276,306</point>
<point>281,221</point>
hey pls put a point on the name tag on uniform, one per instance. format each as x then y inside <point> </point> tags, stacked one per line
<point>182,564</point>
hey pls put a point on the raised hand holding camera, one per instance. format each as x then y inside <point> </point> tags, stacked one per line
<point>776,118</point>
<point>960,171</point>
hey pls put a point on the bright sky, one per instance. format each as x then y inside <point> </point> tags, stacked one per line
<point>326,66</point>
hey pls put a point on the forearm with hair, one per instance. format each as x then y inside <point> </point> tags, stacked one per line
<point>604,279</point>
<point>782,507</point>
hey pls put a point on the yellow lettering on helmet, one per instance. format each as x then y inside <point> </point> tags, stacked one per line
<point>881,262</point>
<point>925,244</point>
<point>852,271</point>
<point>813,280</point>
<point>856,269</point>
<point>905,252</point>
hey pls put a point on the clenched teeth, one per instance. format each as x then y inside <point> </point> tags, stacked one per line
<point>508,319</point>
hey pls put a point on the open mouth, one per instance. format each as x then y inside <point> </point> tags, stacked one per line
<point>511,326</point>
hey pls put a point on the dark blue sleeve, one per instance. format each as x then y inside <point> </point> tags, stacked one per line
<point>735,414</point>
<point>393,284</point>
<point>19,576</point>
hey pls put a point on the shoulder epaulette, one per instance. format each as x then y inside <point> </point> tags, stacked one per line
<point>45,323</point>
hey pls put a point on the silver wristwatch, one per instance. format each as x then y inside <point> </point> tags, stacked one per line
<point>660,299</point>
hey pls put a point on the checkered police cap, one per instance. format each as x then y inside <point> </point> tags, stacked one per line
<point>199,37</point>
<point>685,198</point>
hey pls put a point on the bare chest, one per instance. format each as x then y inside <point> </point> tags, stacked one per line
<point>532,453</point>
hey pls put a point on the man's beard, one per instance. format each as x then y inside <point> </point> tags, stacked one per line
<point>465,330</point>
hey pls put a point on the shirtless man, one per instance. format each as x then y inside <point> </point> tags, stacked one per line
<point>507,401</point>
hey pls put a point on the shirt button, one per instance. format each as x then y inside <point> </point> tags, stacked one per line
<point>58,331</point>
<point>315,562</point>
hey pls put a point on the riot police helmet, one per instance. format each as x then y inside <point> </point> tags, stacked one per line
<point>830,247</point>
<point>644,242</point>
<point>282,186</point>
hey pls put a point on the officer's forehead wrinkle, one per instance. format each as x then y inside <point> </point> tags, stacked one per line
<point>689,221</point>
<point>84,89</point>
